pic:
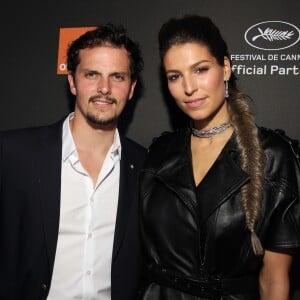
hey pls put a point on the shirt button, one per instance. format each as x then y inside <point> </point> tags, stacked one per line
<point>88,272</point>
<point>90,235</point>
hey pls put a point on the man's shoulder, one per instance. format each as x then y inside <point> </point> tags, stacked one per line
<point>130,143</point>
<point>29,133</point>
<point>132,148</point>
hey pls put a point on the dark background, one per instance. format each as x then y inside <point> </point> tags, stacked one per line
<point>33,94</point>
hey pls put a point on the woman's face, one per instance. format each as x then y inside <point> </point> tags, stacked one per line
<point>196,82</point>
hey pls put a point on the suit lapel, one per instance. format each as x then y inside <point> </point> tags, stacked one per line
<point>50,181</point>
<point>127,193</point>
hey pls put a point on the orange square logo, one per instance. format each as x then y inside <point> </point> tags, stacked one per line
<point>66,36</point>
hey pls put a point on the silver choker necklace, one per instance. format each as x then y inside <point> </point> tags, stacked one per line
<point>205,133</point>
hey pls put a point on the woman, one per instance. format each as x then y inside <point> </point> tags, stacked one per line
<point>219,198</point>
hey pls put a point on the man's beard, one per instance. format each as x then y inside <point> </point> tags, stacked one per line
<point>99,121</point>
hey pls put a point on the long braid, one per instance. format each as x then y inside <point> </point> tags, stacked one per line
<point>252,162</point>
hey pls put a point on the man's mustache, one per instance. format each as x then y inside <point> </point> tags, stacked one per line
<point>103,97</point>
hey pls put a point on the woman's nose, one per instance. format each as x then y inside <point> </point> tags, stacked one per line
<point>190,86</point>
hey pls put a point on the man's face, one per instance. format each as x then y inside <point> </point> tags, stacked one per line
<point>102,85</point>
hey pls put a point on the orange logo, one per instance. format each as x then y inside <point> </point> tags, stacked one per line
<point>66,36</point>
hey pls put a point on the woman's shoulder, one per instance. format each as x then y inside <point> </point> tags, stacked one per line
<point>282,155</point>
<point>167,144</point>
<point>283,176</point>
<point>277,142</point>
<point>167,139</point>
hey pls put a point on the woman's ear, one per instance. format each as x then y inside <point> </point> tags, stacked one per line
<point>227,68</point>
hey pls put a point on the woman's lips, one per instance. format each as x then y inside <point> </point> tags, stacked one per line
<point>195,103</point>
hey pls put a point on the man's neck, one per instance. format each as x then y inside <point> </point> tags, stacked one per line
<point>92,145</point>
<point>91,138</point>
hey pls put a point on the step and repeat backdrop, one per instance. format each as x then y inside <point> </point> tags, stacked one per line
<point>263,39</point>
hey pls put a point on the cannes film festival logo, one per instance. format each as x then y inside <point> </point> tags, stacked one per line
<point>272,35</point>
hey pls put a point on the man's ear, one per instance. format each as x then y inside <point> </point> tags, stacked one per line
<point>72,85</point>
<point>132,87</point>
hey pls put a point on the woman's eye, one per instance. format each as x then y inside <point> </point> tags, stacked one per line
<point>201,70</point>
<point>172,77</point>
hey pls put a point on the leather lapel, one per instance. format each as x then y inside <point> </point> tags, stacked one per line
<point>127,193</point>
<point>49,182</point>
<point>223,179</point>
<point>176,170</point>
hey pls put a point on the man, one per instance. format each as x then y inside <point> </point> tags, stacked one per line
<point>68,193</point>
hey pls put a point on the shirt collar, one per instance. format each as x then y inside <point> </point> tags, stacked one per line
<point>115,149</point>
<point>68,145</point>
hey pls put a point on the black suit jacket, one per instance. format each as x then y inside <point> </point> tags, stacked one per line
<point>30,180</point>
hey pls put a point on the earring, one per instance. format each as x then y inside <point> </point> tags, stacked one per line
<point>226,89</point>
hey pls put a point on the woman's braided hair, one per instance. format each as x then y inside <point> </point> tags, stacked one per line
<point>252,161</point>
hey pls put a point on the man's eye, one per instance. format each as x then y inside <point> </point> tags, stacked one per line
<point>118,77</point>
<point>90,75</point>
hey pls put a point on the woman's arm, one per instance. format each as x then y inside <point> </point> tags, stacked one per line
<point>274,278</point>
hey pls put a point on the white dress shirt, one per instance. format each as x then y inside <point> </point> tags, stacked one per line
<point>82,267</point>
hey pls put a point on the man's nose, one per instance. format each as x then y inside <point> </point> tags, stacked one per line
<point>104,87</point>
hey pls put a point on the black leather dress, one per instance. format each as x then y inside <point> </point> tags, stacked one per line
<point>196,242</point>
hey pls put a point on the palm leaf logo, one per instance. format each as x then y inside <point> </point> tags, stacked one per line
<point>273,34</point>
